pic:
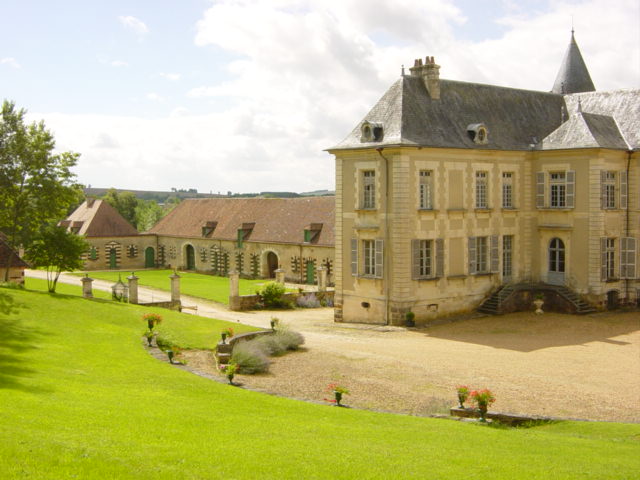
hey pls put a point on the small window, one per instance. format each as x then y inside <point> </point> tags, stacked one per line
<point>478,133</point>
<point>481,190</point>
<point>426,190</point>
<point>369,189</point>
<point>507,190</point>
<point>371,132</point>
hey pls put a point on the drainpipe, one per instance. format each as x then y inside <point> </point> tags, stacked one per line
<point>387,258</point>
<point>626,219</point>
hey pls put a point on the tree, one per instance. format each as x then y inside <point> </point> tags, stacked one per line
<point>37,186</point>
<point>124,202</point>
<point>58,250</point>
<point>148,213</point>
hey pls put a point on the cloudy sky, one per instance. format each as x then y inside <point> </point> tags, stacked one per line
<point>244,95</point>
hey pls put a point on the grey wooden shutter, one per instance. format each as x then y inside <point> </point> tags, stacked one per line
<point>379,258</point>
<point>415,259</point>
<point>603,258</point>
<point>540,190</point>
<point>623,190</point>
<point>603,189</point>
<point>495,263</point>
<point>571,189</point>
<point>628,257</point>
<point>439,257</point>
<point>472,255</point>
<point>354,256</point>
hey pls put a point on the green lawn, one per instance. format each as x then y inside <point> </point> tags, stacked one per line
<point>40,285</point>
<point>194,284</point>
<point>81,398</point>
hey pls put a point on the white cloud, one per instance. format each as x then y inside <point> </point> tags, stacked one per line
<point>10,61</point>
<point>118,63</point>
<point>174,77</point>
<point>153,96</point>
<point>305,72</point>
<point>134,24</point>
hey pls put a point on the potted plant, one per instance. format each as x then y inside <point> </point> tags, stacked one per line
<point>149,336</point>
<point>152,319</point>
<point>227,332</point>
<point>482,398</point>
<point>230,370</point>
<point>338,391</point>
<point>173,352</point>
<point>274,323</point>
<point>538,302</point>
<point>410,319</point>
<point>463,394</point>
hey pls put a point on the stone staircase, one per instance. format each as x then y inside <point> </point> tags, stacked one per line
<point>493,304</point>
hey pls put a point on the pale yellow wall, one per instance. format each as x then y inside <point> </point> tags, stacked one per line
<point>125,261</point>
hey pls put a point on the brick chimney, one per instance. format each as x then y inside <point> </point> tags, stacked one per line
<point>430,74</point>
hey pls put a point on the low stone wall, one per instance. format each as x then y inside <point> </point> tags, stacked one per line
<point>249,302</point>
<point>225,349</point>
<point>506,418</point>
<point>170,305</point>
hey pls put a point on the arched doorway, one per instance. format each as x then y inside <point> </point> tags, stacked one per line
<point>149,258</point>
<point>190,255</point>
<point>556,262</point>
<point>272,264</point>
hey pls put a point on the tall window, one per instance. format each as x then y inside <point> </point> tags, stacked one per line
<point>426,190</point>
<point>369,264</point>
<point>507,256</point>
<point>478,252</point>
<point>558,185</point>
<point>481,190</point>
<point>369,189</point>
<point>556,256</point>
<point>608,190</point>
<point>507,189</point>
<point>424,259</point>
<point>608,250</point>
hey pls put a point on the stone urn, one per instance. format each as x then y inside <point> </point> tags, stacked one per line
<point>538,302</point>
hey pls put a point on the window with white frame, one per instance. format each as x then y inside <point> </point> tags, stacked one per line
<point>369,189</point>
<point>559,192</point>
<point>628,257</point>
<point>483,256</point>
<point>608,190</point>
<point>426,190</point>
<point>507,256</point>
<point>608,251</point>
<point>481,190</point>
<point>367,257</point>
<point>507,189</point>
<point>423,256</point>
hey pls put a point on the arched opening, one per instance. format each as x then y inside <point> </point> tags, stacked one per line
<point>190,255</point>
<point>149,257</point>
<point>613,299</point>
<point>272,264</point>
<point>556,262</point>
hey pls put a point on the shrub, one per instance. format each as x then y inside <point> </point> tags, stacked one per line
<point>290,339</point>
<point>308,301</point>
<point>250,358</point>
<point>272,295</point>
<point>410,319</point>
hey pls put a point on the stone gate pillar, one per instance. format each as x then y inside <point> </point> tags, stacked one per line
<point>234,291</point>
<point>175,287</point>
<point>87,291</point>
<point>280,276</point>
<point>133,288</point>
<point>322,279</point>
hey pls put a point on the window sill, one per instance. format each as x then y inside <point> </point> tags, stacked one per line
<point>556,209</point>
<point>361,209</point>
<point>611,280</point>
<point>483,209</point>
<point>509,209</point>
<point>427,210</point>
<point>367,277</point>
<point>426,279</point>
<point>456,277</point>
<point>482,274</point>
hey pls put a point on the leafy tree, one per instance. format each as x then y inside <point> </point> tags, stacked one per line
<point>124,202</point>
<point>37,186</point>
<point>58,250</point>
<point>148,213</point>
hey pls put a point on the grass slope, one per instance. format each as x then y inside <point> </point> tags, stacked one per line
<point>194,284</point>
<point>80,398</point>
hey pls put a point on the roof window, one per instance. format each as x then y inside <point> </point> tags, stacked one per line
<point>479,133</point>
<point>371,132</point>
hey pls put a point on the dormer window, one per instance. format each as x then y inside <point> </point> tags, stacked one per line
<point>478,133</point>
<point>208,228</point>
<point>312,232</point>
<point>371,132</point>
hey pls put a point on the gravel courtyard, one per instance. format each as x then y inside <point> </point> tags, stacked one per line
<point>584,367</point>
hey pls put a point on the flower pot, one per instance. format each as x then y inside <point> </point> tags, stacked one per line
<point>483,412</point>
<point>338,396</point>
<point>170,354</point>
<point>461,399</point>
<point>224,337</point>
<point>538,304</point>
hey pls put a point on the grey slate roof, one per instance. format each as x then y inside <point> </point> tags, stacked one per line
<point>573,76</point>
<point>513,117</point>
<point>586,130</point>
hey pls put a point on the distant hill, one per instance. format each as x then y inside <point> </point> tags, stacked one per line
<point>161,196</point>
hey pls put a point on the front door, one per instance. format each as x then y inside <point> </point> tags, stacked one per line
<point>149,258</point>
<point>556,262</point>
<point>310,273</point>
<point>112,259</point>
<point>272,264</point>
<point>191,258</point>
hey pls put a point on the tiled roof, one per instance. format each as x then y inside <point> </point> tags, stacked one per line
<point>6,251</point>
<point>586,130</point>
<point>276,220</point>
<point>96,218</point>
<point>573,76</point>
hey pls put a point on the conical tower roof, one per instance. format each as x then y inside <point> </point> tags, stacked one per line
<point>573,76</point>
